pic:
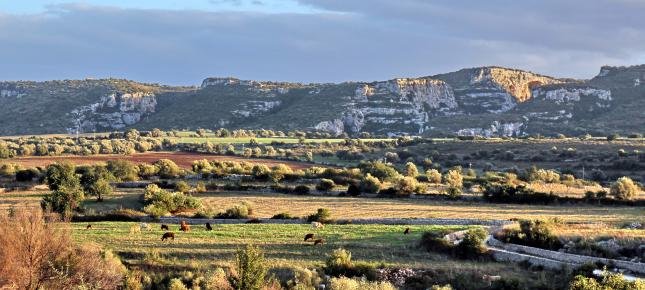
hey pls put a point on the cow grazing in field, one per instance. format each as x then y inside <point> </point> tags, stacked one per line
<point>164,228</point>
<point>407,231</point>
<point>168,235</point>
<point>309,237</point>
<point>209,227</point>
<point>317,225</point>
<point>319,242</point>
<point>490,279</point>
<point>184,227</point>
<point>88,227</point>
<point>145,227</point>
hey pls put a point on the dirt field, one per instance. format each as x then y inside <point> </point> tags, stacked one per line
<point>183,159</point>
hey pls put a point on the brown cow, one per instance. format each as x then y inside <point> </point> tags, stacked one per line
<point>209,227</point>
<point>309,237</point>
<point>407,231</point>
<point>164,227</point>
<point>184,227</point>
<point>88,227</point>
<point>319,242</point>
<point>168,235</point>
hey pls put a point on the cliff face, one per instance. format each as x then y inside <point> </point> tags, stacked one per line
<point>487,101</point>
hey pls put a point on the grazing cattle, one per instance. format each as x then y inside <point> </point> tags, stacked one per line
<point>168,235</point>
<point>309,237</point>
<point>208,227</point>
<point>317,225</point>
<point>88,227</point>
<point>135,229</point>
<point>490,279</point>
<point>145,227</point>
<point>407,231</point>
<point>319,242</point>
<point>164,228</point>
<point>184,227</point>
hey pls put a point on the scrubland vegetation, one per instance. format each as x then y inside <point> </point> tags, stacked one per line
<point>260,191</point>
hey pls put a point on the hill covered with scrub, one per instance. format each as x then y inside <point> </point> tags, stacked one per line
<point>485,101</point>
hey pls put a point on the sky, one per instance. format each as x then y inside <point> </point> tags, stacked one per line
<point>181,42</point>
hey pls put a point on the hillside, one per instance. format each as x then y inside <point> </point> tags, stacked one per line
<point>488,101</point>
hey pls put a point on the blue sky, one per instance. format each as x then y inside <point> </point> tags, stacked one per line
<point>275,6</point>
<point>185,41</point>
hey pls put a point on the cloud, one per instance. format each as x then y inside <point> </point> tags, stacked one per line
<point>341,40</point>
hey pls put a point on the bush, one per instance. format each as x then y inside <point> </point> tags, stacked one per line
<point>251,268</point>
<point>26,175</point>
<point>344,283</point>
<point>339,263</point>
<point>508,193</point>
<point>379,170</point>
<point>160,202</point>
<point>434,242</point>
<point>325,185</point>
<point>323,215</point>
<point>370,184</point>
<point>283,216</point>
<point>182,186</point>
<point>433,176</point>
<point>241,211</point>
<point>535,233</point>
<point>472,245</point>
<point>411,170</point>
<point>123,170</point>
<point>407,185</point>
<point>65,185</point>
<point>167,168</point>
<point>609,281</point>
<point>301,189</point>
<point>624,188</point>
<point>453,178</point>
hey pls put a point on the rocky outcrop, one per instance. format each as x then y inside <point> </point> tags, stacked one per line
<point>516,82</point>
<point>495,129</point>
<point>113,111</point>
<point>570,95</point>
<point>434,94</point>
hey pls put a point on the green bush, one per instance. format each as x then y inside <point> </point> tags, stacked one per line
<point>160,202</point>
<point>323,215</point>
<point>472,245</point>
<point>166,168</point>
<point>65,185</point>
<point>433,176</point>
<point>533,233</point>
<point>340,264</point>
<point>370,184</point>
<point>434,242</point>
<point>609,281</point>
<point>241,211</point>
<point>123,170</point>
<point>251,268</point>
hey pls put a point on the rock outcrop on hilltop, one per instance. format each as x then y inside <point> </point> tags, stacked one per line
<point>486,101</point>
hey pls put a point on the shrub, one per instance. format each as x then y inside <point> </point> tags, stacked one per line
<point>434,242</point>
<point>301,189</point>
<point>283,216</point>
<point>96,182</point>
<point>609,281</point>
<point>251,268</point>
<point>353,190</point>
<point>453,178</point>
<point>241,211</point>
<point>379,170</point>
<point>624,188</point>
<point>161,202</point>
<point>370,184</point>
<point>433,176</point>
<point>323,215</point>
<point>167,168</point>
<point>509,193</point>
<point>182,186</point>
<point>325,185</point>
<point>411,170</point>
<point>123,170</point>
<point>26,175</point>
<point>535,233</point>
<point>472,245</point>
<point>339,263</point>
<point>407,185</point>
<point>344,283</point>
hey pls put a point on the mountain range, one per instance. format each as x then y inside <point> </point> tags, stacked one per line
<point>483,101</point>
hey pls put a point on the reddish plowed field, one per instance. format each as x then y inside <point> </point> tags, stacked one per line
<point>183,159</point>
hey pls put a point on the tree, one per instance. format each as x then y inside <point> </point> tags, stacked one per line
<point>407,185</point>
<point>260,171</point>
<point>325,185</point>
<point>453,178</point>
<point>251,268</point>
<point>379,170</point>
<point>370,184</point>
<point>65,185</point>
<point>411,170</point>
<point>167,168</point>
<point>624,188</point>
<point>123,170</point>
<point>433,176</point>
<point>132,134</point>
<point>472,245</point>
<point>96,182</point>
